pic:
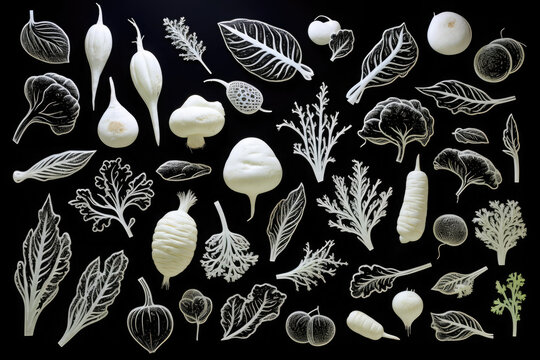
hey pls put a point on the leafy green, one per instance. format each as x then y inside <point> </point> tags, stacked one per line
<point>512,303</point>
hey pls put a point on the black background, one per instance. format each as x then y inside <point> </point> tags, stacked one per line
<point>182,79</point>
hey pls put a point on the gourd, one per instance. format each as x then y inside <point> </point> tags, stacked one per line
<point>196,119</point>
<point>146,75</point>
<point>412,216</point>
<point>97,46</point>
<point>175,239</point>
<point>252,168</point>
<point>117,128</point>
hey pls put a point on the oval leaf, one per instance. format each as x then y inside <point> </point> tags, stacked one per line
<point>56,166</point>
<point>45,41</point>
<point>266,51</point>
<point>341,43</point>
<point>470,136</point>
<point>454,283</point>
<point>179,170</point>
<point>457,96</point>
<point>455,326</point>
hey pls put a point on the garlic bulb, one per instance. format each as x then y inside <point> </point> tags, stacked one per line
<point>98,46</point>
<point>150,324</point>
<point>117,127</point>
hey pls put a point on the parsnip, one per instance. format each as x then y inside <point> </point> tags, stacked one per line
<point>412,216</point>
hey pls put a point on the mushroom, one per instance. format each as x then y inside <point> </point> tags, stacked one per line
<point>196,119</point>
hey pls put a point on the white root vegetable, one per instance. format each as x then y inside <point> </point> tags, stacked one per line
<point>408,306</point>
<point>366,326</point>
<point>449,33</point>
<point>117,127</point>
<point>252,168</point>
<point>97,45</point>
<point>320,32</point>
<point>146,75</point>
<point>196,119</point>
<point>175,239</point>
<point>412,216</point>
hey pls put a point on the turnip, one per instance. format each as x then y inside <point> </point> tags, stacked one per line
<point>450,229</point>
<point>252,168</point>
<point>449,33</point>
<point>408,305</point>
<point>320,32</point>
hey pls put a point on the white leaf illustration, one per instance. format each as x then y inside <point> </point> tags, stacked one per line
<point>227,253</point>
<point>457,96</point>
<point>454,283</point>
<point>266,51</point>
<point>511,142</point>
<point>45,263</point>
<point>455,326</point>
<point>241,316</point>
<point>96,291</point>
<point>470,136</point>
<point>341,43</point>
<point>284,219</point>
<point>45,41</point>
<point>56,166</point>
<point>391,58</point>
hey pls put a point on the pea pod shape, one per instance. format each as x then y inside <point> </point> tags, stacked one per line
<point>412,216</point>
<point>175,239</point>
<point>150,324</point>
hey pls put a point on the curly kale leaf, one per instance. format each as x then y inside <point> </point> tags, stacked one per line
<point>399,122</point>
<point>470,167</point>
<point>118,191</point>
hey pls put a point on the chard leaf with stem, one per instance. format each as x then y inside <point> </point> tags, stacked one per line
<point>318,133</point>
<point>511,142</point>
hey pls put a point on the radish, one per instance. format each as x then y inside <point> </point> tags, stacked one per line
<point>449,33</point>
<point>408,306</point>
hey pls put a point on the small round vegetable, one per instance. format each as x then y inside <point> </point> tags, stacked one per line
<point>493,63</point>
<point>450,229</point>
<point>320,32</point>
<point>516,50</point>
<point>317,330</point>
<point>449,33</point>
<point>408,305</point>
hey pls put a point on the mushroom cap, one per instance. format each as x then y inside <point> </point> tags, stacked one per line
<point>197,117</point>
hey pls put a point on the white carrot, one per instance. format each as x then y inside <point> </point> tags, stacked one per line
<point>366,326</point>
<point>97,46</point>
<point>412,216</point>
<point>147,78</point>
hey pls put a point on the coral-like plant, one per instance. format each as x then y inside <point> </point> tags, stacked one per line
<point>318,133</point>
<point>512,303</point>
<point>313,267</point>
<point>500,227</point>
<point>358,208</point>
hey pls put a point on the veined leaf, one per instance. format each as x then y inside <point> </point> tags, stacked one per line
<point>45,263</point>
<point>96,291</point>
<point>56,166</point>
<point>511,142</point>
<point>454,283</point>
<point>341,44</point>
<point>457,96</point>
<point>470,136</point>
<point>391,58</point>
<point>284,219</point>
<point>266,51</point>
<point>241,316</point>
<point>455,326</point>
<point>376,278</point>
